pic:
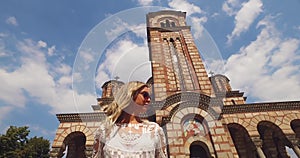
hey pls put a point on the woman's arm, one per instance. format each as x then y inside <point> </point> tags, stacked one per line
<point>161,146</point>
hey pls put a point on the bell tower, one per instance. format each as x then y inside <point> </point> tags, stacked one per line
<point>176,63</point>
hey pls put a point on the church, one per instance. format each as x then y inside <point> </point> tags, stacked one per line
<point>201,115</point>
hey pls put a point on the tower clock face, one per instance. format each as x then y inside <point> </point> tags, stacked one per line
<point>193,127</point>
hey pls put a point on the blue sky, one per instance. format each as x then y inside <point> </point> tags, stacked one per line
<point>55,55</point>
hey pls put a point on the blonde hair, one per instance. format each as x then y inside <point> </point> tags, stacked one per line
<point>124,96</point>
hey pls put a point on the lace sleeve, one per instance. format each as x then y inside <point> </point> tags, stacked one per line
<point>98,143</point>
<point>161,146</point>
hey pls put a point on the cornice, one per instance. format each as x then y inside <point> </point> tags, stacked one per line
<point>81,117</point>
<point>169,29</point>
<point>261,107</point>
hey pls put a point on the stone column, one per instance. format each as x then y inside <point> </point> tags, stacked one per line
<point>89,151</point>
<point>258,143</point>
<point>296,150</point>
<point>295,142</point>
<point>54,152</point>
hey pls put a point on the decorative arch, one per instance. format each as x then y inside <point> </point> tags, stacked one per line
<point>198,140</point>
<point>290,120</point>
<point>179,116</point>
<point>253,123</point>
<point>291,116</point>
<point>262,117</point>
<point>202,117</point>
<point>194,125</point>
<point>77,128</point>
<point>181,102</point>
<point>250,124</point>
<point>184,105</point>
<point>186,96</point>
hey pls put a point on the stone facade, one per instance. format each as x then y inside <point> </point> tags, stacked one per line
<point>201,116</point>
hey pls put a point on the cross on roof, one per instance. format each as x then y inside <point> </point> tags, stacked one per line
<point>117,77</point>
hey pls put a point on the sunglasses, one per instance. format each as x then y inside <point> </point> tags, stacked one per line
<point>145,95</point>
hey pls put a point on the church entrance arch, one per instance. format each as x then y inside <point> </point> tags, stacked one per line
<point>199,149</point>
<point>74,146</point>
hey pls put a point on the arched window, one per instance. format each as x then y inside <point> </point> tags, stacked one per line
<point>167,23</point>
<point>173,24</point>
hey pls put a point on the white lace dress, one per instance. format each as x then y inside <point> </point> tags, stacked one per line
<point>142,140</point>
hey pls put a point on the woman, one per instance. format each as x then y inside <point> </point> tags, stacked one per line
<point>124,133</point>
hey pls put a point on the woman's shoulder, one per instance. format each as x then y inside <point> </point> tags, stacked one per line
<point>146,122</point>
<point>154,125</point>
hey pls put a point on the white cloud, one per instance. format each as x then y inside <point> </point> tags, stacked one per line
<point>10,89</point>
<point>31,50</point>
<point>12,21</point>
<point>215,66</point>
<point>87,57</point>
<point>184,5</point>
<point>230,6</point>
<point>126,60</point>
<point>51,50</point>
<point>4,110</point>
<point>145,2</point>
<point>119,27</point>
<point>285,52</point>
<point>2,50</point>
<point>42,44</point>
<point>35,78</point>
<point>2,54</point>
<point>41,130</point>
<point>270,88</point>
<point>3,35</point>
<point>266,68</point>
<point>65,81</point>
<point>197,25</point>
<point>77,77</point>
<point>245,17</point>
<point>63,69</point>
<point>83,102</point>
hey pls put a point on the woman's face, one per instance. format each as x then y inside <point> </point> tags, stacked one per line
<point>141,101</point>
<point>143,97</point>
